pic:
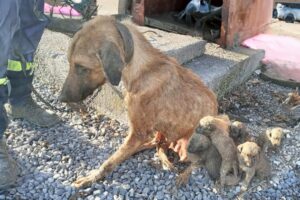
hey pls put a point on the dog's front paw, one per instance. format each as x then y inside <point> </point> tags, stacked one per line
<point>86,181</point>
<point>83,182</point>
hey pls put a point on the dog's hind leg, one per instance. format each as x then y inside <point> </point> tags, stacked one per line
<point>166,164</point>
<point>132,145</point>
<point>161,151</point>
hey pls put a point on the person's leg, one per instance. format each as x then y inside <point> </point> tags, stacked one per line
<point>9,23</point>
<point>20,72</point>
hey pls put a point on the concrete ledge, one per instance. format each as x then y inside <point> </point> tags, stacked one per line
<point>184,49</point>
<point>223,70</point>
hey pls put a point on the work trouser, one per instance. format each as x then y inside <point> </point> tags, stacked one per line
<point>22,23</point>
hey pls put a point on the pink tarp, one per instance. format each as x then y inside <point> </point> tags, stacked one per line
<point>65,10</point>
<point>282,54</point>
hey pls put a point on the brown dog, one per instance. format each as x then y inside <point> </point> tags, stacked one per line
<point>201,152</point>
<point>162,96</point>
<point>238,132</point>
<point>270,139</point>
<point>217,129</point>
<point>252,161</point>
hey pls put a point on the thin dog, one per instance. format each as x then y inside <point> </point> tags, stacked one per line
<point>161,95</point>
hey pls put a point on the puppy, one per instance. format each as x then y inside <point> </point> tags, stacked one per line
<point>217,129</point>
<point>238,132</point>
<point>252,161</point>
<point>201,152</point>
<point>270,139</point>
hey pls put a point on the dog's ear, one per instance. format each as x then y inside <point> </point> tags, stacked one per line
<point>199,129</point>
<point>71,47</point>
<point>127,41</point>
<point>240,148</point>
<point>111,58</point>
<point>112,62</point>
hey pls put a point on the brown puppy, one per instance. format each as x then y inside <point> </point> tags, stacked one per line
<point>217,129</point>
<point>201,152</point>
<point>270,139</point>
<point>238,132</point>
<point>252,161</point>
<point>162,96</point>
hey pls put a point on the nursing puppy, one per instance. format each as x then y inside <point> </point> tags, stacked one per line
<point>217,130</point>
<point>161,96</point>
<point>238,132</point>
<point>201,152</point>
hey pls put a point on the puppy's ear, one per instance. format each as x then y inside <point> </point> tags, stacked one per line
<point>269,133</point>
<point>127,41</point>
<point>240,148</point>
<point>113,65</point>
<point>199,129</point>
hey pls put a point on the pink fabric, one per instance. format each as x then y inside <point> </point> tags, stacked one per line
<point>281,53</point>
<point>65,10</point>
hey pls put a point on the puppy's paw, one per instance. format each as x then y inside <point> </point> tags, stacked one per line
<point>168,166</point>
<point>182,179</point>
<point>244,187</point>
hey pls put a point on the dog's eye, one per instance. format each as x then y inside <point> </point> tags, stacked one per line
<point>81,70</point>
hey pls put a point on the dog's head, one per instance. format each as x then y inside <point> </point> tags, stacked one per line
<point>274,136</point>
<point>237,130</point>
<point>211,123</point>
<point>198,143</point>
<point>248,153</point>
<point>98,53</point>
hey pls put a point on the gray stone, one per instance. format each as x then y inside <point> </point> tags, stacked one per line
<point>96,192</point>
<point>146,190</point>
<point>159,195</point>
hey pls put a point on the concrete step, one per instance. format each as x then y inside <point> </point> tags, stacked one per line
<point>221,70</point>
<point>183,47</point>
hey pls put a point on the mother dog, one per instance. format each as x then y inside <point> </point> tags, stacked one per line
<point>162,97</point>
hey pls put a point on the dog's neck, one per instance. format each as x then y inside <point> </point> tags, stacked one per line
<point>141,62</point>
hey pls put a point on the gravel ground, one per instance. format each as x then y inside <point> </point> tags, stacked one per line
<point>51,159</point>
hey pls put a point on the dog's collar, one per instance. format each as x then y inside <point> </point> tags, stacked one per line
<point>127,41</point>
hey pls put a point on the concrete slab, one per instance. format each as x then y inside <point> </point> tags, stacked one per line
<point>183,47</point>
<point>223,70</point>
<point>107,7</point>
